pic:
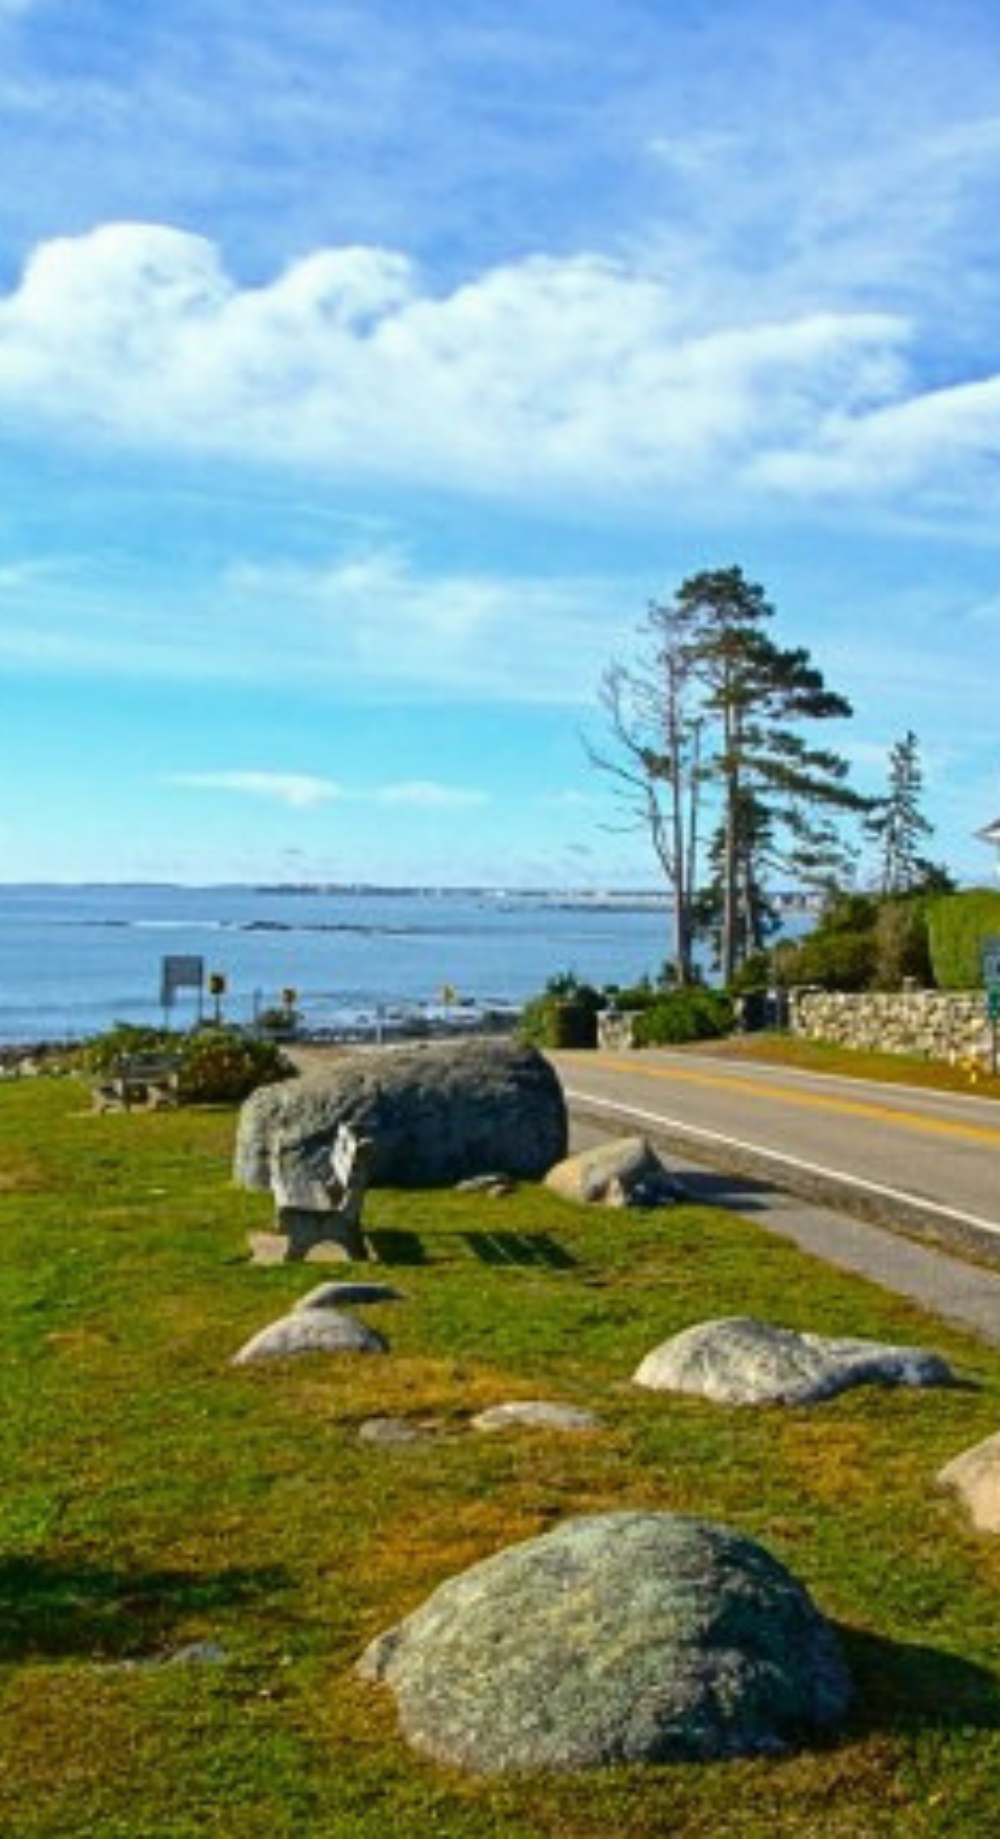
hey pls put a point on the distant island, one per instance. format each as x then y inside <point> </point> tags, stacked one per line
<point>786,900</point>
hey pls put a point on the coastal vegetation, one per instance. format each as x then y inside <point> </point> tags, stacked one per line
<point>565,1014</point>
<point>193,1556</point>
<point>215,1063</point>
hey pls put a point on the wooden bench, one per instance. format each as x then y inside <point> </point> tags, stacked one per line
<point>147,1080</point>
<point>322,1216</point>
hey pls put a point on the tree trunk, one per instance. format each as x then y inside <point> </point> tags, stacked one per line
<point>731,850</point>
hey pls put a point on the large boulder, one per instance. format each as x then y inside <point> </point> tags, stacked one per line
<point>437,1114</point>
<point>975,1477</point>
<point>741,1361</point>
<point>616,1638</point>
<point>624,1173</point>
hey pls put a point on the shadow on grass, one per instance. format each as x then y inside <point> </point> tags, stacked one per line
<point>51,1607</point>
<point>905,1686</point>
<point>389,1246</point>
<point>521,1248</point>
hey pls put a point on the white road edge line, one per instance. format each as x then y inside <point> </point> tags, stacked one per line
<point>795,1162</point>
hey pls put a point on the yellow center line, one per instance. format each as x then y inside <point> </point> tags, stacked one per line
<point>848,1107</point>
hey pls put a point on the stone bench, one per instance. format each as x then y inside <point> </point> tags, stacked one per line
<point>321,1217</point>
<point>150,1081</point>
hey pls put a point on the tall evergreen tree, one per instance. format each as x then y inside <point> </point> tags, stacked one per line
<point>778,791</point>
<point>897,824</point>
<point>714,713</point>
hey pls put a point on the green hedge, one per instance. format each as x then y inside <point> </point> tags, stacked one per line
<point>683,1015</point>
<point>957,926</point>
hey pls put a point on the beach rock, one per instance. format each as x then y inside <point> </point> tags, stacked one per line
<point>624,1173</point>
<point>347,1296</point>
<point>438,1113</point>
<point>616,1638</point>
<point>975,1476</point>
<point>535,1414</point>
<point>742,1361</point>
<point>311,1331</point>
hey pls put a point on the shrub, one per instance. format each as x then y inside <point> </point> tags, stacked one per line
<point>901,944</point>
<point>222,1066</point>
<point>565,1015</point>
<point>274,1021</point>
<point>102,1053</point>
<point>216,1064</point>
<point>757,972</point>
<point>957,925</point>
<point>842,952</point>
<point>684,1015</point>
<point>837,960</point>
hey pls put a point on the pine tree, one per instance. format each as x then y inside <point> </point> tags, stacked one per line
<point>897,824</point>
<point>711,714</point>
<point>778,792</point>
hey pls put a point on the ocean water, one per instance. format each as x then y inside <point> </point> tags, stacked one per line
<point>73,960</point>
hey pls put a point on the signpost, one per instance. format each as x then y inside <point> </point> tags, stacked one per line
<point>180,974</point>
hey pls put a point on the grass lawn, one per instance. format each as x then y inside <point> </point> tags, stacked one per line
<point>153,1497</point>
<point>855,1062</point>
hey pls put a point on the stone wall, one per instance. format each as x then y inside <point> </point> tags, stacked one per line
<point>939,1024</point>
<point>615,1030</point>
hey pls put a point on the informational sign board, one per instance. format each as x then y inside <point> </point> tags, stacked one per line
<point>180,974</point>
<point>989,959</point>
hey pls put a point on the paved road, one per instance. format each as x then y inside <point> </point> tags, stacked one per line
<point>893,1154</point>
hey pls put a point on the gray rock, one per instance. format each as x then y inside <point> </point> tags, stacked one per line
<point>495,1186</point>
<point>742,1361</point>
<point>194,1654</point>
<point>197,1654</point>
<point>389,1432</point>
<point>975,1476</point>
<point>617,1638</point>
<point>346,1296</point>
<point>535,1414</point>
<point>438,1113</point>
<point>268,1247</point>
<point>624,1173</point>
<point>311,1331</point>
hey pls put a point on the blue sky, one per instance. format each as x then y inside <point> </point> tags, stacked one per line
<point>365,369</point>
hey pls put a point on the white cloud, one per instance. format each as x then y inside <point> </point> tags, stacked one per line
<point>545,378</point>
<point>372,619</point>
<point>298,790</point>
<point>371,622</point>
<point>548,375</point>
<point>302,791</point>
<point>428,795</point>
<point>939,441</point>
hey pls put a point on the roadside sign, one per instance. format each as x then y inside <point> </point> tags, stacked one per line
<point>179,974</point>
<point>989,960</point>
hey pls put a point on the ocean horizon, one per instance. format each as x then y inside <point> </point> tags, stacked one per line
<point>76,957</point>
